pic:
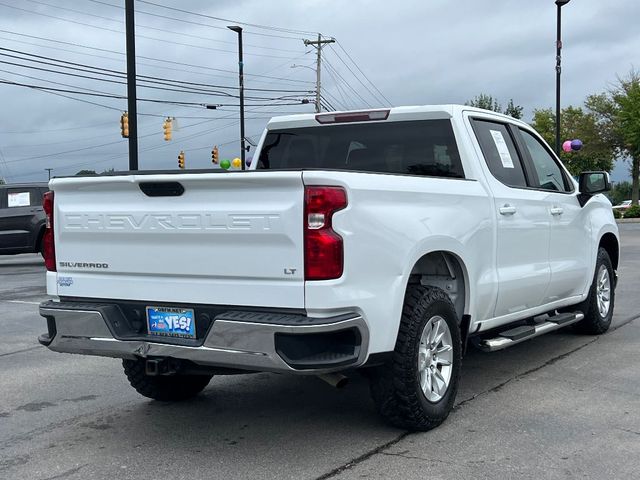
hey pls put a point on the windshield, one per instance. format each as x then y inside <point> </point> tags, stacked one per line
<point>425,147</point>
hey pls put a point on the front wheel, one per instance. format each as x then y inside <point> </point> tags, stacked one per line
<point>163,387</point>
<point>598,307</point>
<point>417,387</point>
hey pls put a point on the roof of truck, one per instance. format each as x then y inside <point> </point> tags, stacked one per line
<point>24,185</point>
<point>395,113</point>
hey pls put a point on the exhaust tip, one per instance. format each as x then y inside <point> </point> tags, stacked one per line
<point>336,380</point>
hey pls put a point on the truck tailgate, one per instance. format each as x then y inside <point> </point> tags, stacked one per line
<point>229,238</point>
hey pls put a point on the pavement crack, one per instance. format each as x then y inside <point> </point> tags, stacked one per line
<point>412,457</point>
<point>20,351</point>
<point>352,463</point>
<point>66,473</point>
<point>627,430</point>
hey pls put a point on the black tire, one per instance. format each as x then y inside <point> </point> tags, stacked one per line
<point>164,387</point>
<point>594,323</point>
<point>395,386</point>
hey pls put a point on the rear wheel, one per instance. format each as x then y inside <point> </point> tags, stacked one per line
<point>598,307</point>
<point>417,387</point>
<point>163,387</point>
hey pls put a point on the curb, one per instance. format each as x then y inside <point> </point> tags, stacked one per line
<point>628,220</point>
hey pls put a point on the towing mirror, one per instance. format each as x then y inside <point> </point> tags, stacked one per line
<point>592,183</point>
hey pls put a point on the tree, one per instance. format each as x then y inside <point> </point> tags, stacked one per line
<point>489,103</point>
<point>2,181</point>
<point>620,192</point>
<point>618,111</point>
<point>86,172</point>
<point>598,152</point>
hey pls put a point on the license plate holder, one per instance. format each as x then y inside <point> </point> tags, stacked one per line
<point>173,322</point>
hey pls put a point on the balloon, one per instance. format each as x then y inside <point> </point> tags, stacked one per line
<point>225,164</point>
<point>236,163</point>
<point>576,145</point>
<point>566,146</point>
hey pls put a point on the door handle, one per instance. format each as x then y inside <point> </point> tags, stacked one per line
<point>507,210</point>
<point>556,211</point>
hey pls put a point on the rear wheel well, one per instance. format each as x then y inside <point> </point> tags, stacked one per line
<point>610,243</point>
<point>446,271</point>
<point>38,245</point>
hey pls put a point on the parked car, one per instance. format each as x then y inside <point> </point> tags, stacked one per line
<point>382,240</point>
<point>22,219</point>
<point>623,206</point>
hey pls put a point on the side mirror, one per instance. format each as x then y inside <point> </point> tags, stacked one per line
<point>592,183</point>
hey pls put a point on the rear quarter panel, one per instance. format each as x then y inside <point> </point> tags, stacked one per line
<point>392,221</point>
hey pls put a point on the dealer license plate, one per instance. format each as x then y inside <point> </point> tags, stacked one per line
<point>171,322</point>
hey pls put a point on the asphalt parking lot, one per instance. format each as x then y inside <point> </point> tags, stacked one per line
<point>559,406</point>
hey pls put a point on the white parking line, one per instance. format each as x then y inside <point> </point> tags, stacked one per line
<point>22,301</point>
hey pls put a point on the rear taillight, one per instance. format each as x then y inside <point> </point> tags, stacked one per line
<point>48,245</point>
<point>323,248</point>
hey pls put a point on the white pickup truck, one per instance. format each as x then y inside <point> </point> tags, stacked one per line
<point>382,240</point>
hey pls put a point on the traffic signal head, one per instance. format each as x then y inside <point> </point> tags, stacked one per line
<point>124,125</point>
<point>166,127</point>
<point>181,159</point>
<point>215,155</point>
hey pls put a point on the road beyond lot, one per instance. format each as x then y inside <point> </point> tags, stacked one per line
<point>559,406</point>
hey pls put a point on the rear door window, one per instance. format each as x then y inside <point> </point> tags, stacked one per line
<point>423,148</point>
<point>500,152</point>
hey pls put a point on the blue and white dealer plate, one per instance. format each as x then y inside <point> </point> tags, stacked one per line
<point>171,322</point>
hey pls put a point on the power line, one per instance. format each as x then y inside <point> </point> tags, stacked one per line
<point>212,69</point>
<point>347,84</point>
<point>141,77</point>
<point>32,12</point>
<point>368,89</point>
<point>163,30</point>
<point>363,74</point>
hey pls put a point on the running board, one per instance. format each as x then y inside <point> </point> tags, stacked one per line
<point>517,335</point>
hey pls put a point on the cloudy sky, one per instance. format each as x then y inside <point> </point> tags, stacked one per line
<point>412,51</point>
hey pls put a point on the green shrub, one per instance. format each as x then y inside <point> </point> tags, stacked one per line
<point>632,212</point>
<point>617,214</point>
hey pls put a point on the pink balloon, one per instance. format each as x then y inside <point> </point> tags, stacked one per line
<point>566,146</point>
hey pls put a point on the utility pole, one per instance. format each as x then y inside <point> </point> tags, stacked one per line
<point>131,84</point>
<point>49,172</point>
<point>318,44</point>
<point>243,150</point>
<point>559,4</point>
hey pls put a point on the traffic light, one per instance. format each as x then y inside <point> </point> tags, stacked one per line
<point>124,125</point>
<point>166,126</point>
<point>215,155</point>
<point>181,159</point>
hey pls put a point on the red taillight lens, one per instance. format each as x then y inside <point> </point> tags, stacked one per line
<point>323,249</point>
<point>48,245</point>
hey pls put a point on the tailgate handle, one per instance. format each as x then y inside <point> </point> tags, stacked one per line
<point>162,189</point>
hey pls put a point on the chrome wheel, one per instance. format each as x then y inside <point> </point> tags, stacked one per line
<point>603,291</point>
<point>435,357</point>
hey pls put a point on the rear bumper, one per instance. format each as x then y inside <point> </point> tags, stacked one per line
<point>236,339</point>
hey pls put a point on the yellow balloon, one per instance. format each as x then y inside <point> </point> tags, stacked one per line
<point>236,163</point>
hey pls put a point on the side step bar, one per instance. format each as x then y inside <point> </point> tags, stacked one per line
<point>517,335</point>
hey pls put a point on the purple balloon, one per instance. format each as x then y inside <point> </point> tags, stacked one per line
<point>576,145</point>
<point>566,146</point>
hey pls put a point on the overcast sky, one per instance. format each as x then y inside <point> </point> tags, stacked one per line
<point>413,51</point>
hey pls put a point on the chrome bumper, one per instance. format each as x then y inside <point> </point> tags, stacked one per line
<point>239,340</point>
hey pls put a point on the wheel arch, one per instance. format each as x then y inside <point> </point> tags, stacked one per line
<point>609,242</point>
<point>446,270</point>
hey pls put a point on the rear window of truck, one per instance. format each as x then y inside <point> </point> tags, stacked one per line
<point>424,148</point>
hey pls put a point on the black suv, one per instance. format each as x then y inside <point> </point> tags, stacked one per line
<point>22,219</point>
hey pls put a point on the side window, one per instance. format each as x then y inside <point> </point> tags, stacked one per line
<point>550,175</point>
<point>500,153</point>
<point>19,197</point>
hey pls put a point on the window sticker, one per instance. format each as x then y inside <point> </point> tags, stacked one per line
<point>20,199</point>
<point>503,150</point>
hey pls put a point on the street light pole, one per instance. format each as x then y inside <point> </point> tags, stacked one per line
<point>131,84</point>
<point>559,4</point>
<point>49,172</point>
<point>238,30</point>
